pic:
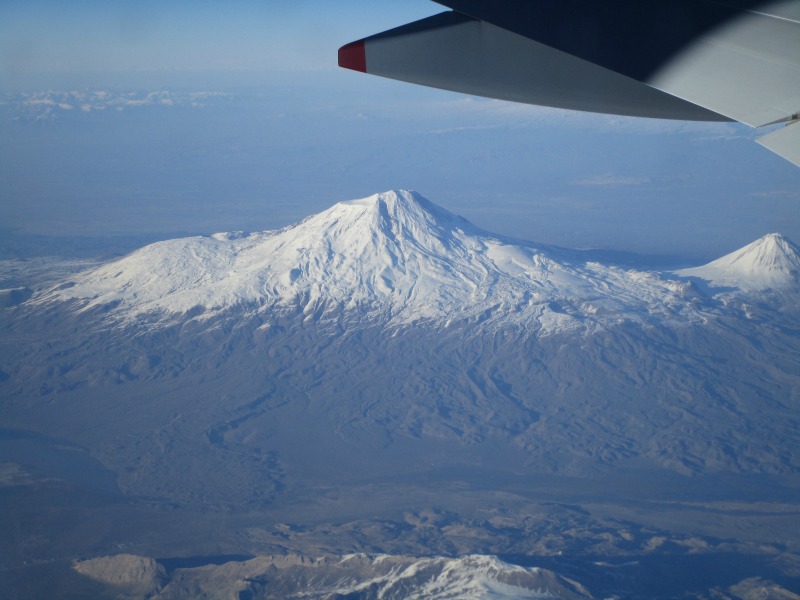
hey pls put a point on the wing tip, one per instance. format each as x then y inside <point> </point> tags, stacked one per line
<point>785,142</point>
<point>353,56</point>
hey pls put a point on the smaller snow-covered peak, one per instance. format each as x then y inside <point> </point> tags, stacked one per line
<point>772,261</point>
<point>771,253</point>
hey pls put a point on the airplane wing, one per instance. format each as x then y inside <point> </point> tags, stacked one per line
<point>708,60</point>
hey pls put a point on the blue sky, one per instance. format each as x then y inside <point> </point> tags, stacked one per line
<point>294,134</point>
<point>90,39</point>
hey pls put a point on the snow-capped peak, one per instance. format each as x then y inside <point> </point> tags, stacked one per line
<point>388,228</point>
<point>771,262</point>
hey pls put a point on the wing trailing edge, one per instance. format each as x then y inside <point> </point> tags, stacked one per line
<point>455,52</point>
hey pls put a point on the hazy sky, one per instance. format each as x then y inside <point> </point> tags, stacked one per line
<point>87,147</point>
<point>90,39</point>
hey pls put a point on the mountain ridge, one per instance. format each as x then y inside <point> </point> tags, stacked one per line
<point>353,575</point>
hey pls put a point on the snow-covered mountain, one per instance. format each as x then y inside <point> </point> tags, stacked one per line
<point>772,262</point>
<point>395,256</point>
<point>264,395</point>
<point>354,576</point>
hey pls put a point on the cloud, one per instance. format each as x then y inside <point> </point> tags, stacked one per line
<point>777,194</point>
<point>610,179</point>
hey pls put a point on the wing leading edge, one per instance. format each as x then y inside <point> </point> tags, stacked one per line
<point>705,60</point>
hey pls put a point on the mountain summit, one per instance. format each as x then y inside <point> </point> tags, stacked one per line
<point>771,262</point>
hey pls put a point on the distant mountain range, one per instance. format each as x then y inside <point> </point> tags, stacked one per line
<point>53,104</point>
